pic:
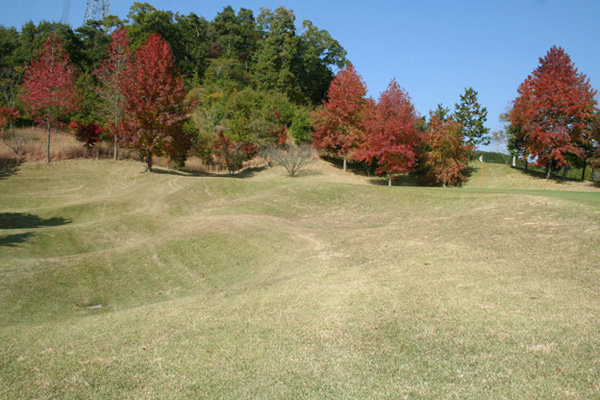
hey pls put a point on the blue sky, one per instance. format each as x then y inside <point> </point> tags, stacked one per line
<point>434,48</point>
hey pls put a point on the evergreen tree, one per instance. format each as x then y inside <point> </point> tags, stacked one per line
<point>472,117</point>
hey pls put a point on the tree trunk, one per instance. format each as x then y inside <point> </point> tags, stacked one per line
<point>526,164</point>
<point>345,167</point>
<point>149,162</point>
<point>549,169</point>
<point>116,155</point>
<point>565,171</point>
<point>583,172</point>
<point>48,144</point>
<point>390,179</point>
<point>514,164</point>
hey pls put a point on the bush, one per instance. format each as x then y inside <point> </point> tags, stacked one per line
<point>293,158</point>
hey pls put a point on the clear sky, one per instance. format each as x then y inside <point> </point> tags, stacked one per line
<point>434,48</point>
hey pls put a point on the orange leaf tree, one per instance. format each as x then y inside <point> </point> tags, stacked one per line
<point>49,86</point>
<point>446,153</point>
<point>339,126</point>
<point>554,112</point>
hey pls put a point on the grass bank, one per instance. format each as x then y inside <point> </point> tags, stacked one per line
<point>120,284</point>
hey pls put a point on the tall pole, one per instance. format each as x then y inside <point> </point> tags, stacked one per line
<point>96,10</point>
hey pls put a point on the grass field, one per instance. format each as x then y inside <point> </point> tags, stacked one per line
<point>120,284</point>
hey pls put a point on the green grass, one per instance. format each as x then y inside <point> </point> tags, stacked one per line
<point>321,286</point>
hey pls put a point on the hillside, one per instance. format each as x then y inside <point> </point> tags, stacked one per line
<point>120,284</point>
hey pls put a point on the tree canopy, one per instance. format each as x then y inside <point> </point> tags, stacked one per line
<point>339,126</point>
<point>49,86</point>
<point>391,139</point>
<point>554,112</point>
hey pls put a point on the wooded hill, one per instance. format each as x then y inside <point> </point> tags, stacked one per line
<point>265,52</point>
<point>165,84</point>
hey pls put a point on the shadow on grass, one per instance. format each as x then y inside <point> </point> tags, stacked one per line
<point>25,221</point>
<point>468,173</point>
<point>397,180</point>
<point>28,221</point>
<point>14,240</point>
<point>355,167</point>
<point>160,171</point>
<point>240,174</point>
<point>9,167</point>
<point>542,175</point>
<point>249,172</point>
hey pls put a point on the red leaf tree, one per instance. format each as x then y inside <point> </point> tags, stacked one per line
<point>392,139</point>
<point>554,111</point>
<point>154,107</point>
<point>111,74</point>
<point>7,116</point>
<point>233,153</point>
<point>88,134</point>
<point>49,86</point>
<point>339,126</point>
<point>446,153</point>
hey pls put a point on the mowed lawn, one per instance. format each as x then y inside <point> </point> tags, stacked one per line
<point>115,284</point>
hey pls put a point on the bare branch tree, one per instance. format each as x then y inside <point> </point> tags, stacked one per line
<point>294,158</point>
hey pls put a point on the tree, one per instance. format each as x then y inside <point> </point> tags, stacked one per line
<point>233,153</point>
<point>294,158</point>
<point>472,117</point>
<point>446,153</point>
<point>87,133</point>
<point>154,107</point>
<point>12,138</point>
<point>111,74</point>
<point>95,40</point>
<point>318,52</point>
<point>391,138</point>
<point>10,80</point>
<point>300,128</point>
<point>33,38</point>
<point>49,86</point>
<point>276,53</point>
<point>193,42</point>
<point>237,34</point>
<point>9,42</point>
<point>554,111</point>
<point>443,113</point>
<point>339,126</point>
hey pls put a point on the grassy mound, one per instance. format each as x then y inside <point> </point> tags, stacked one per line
<point>120,284</point>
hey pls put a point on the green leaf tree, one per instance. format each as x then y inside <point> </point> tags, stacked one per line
<point>472,116</point>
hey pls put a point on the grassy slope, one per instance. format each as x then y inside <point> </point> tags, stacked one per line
<point>320,286</point>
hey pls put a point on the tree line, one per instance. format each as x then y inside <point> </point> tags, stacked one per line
<point>242,83</point>
<point>166,84</point>
<point>390,137</point>
<point>554,122</point>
